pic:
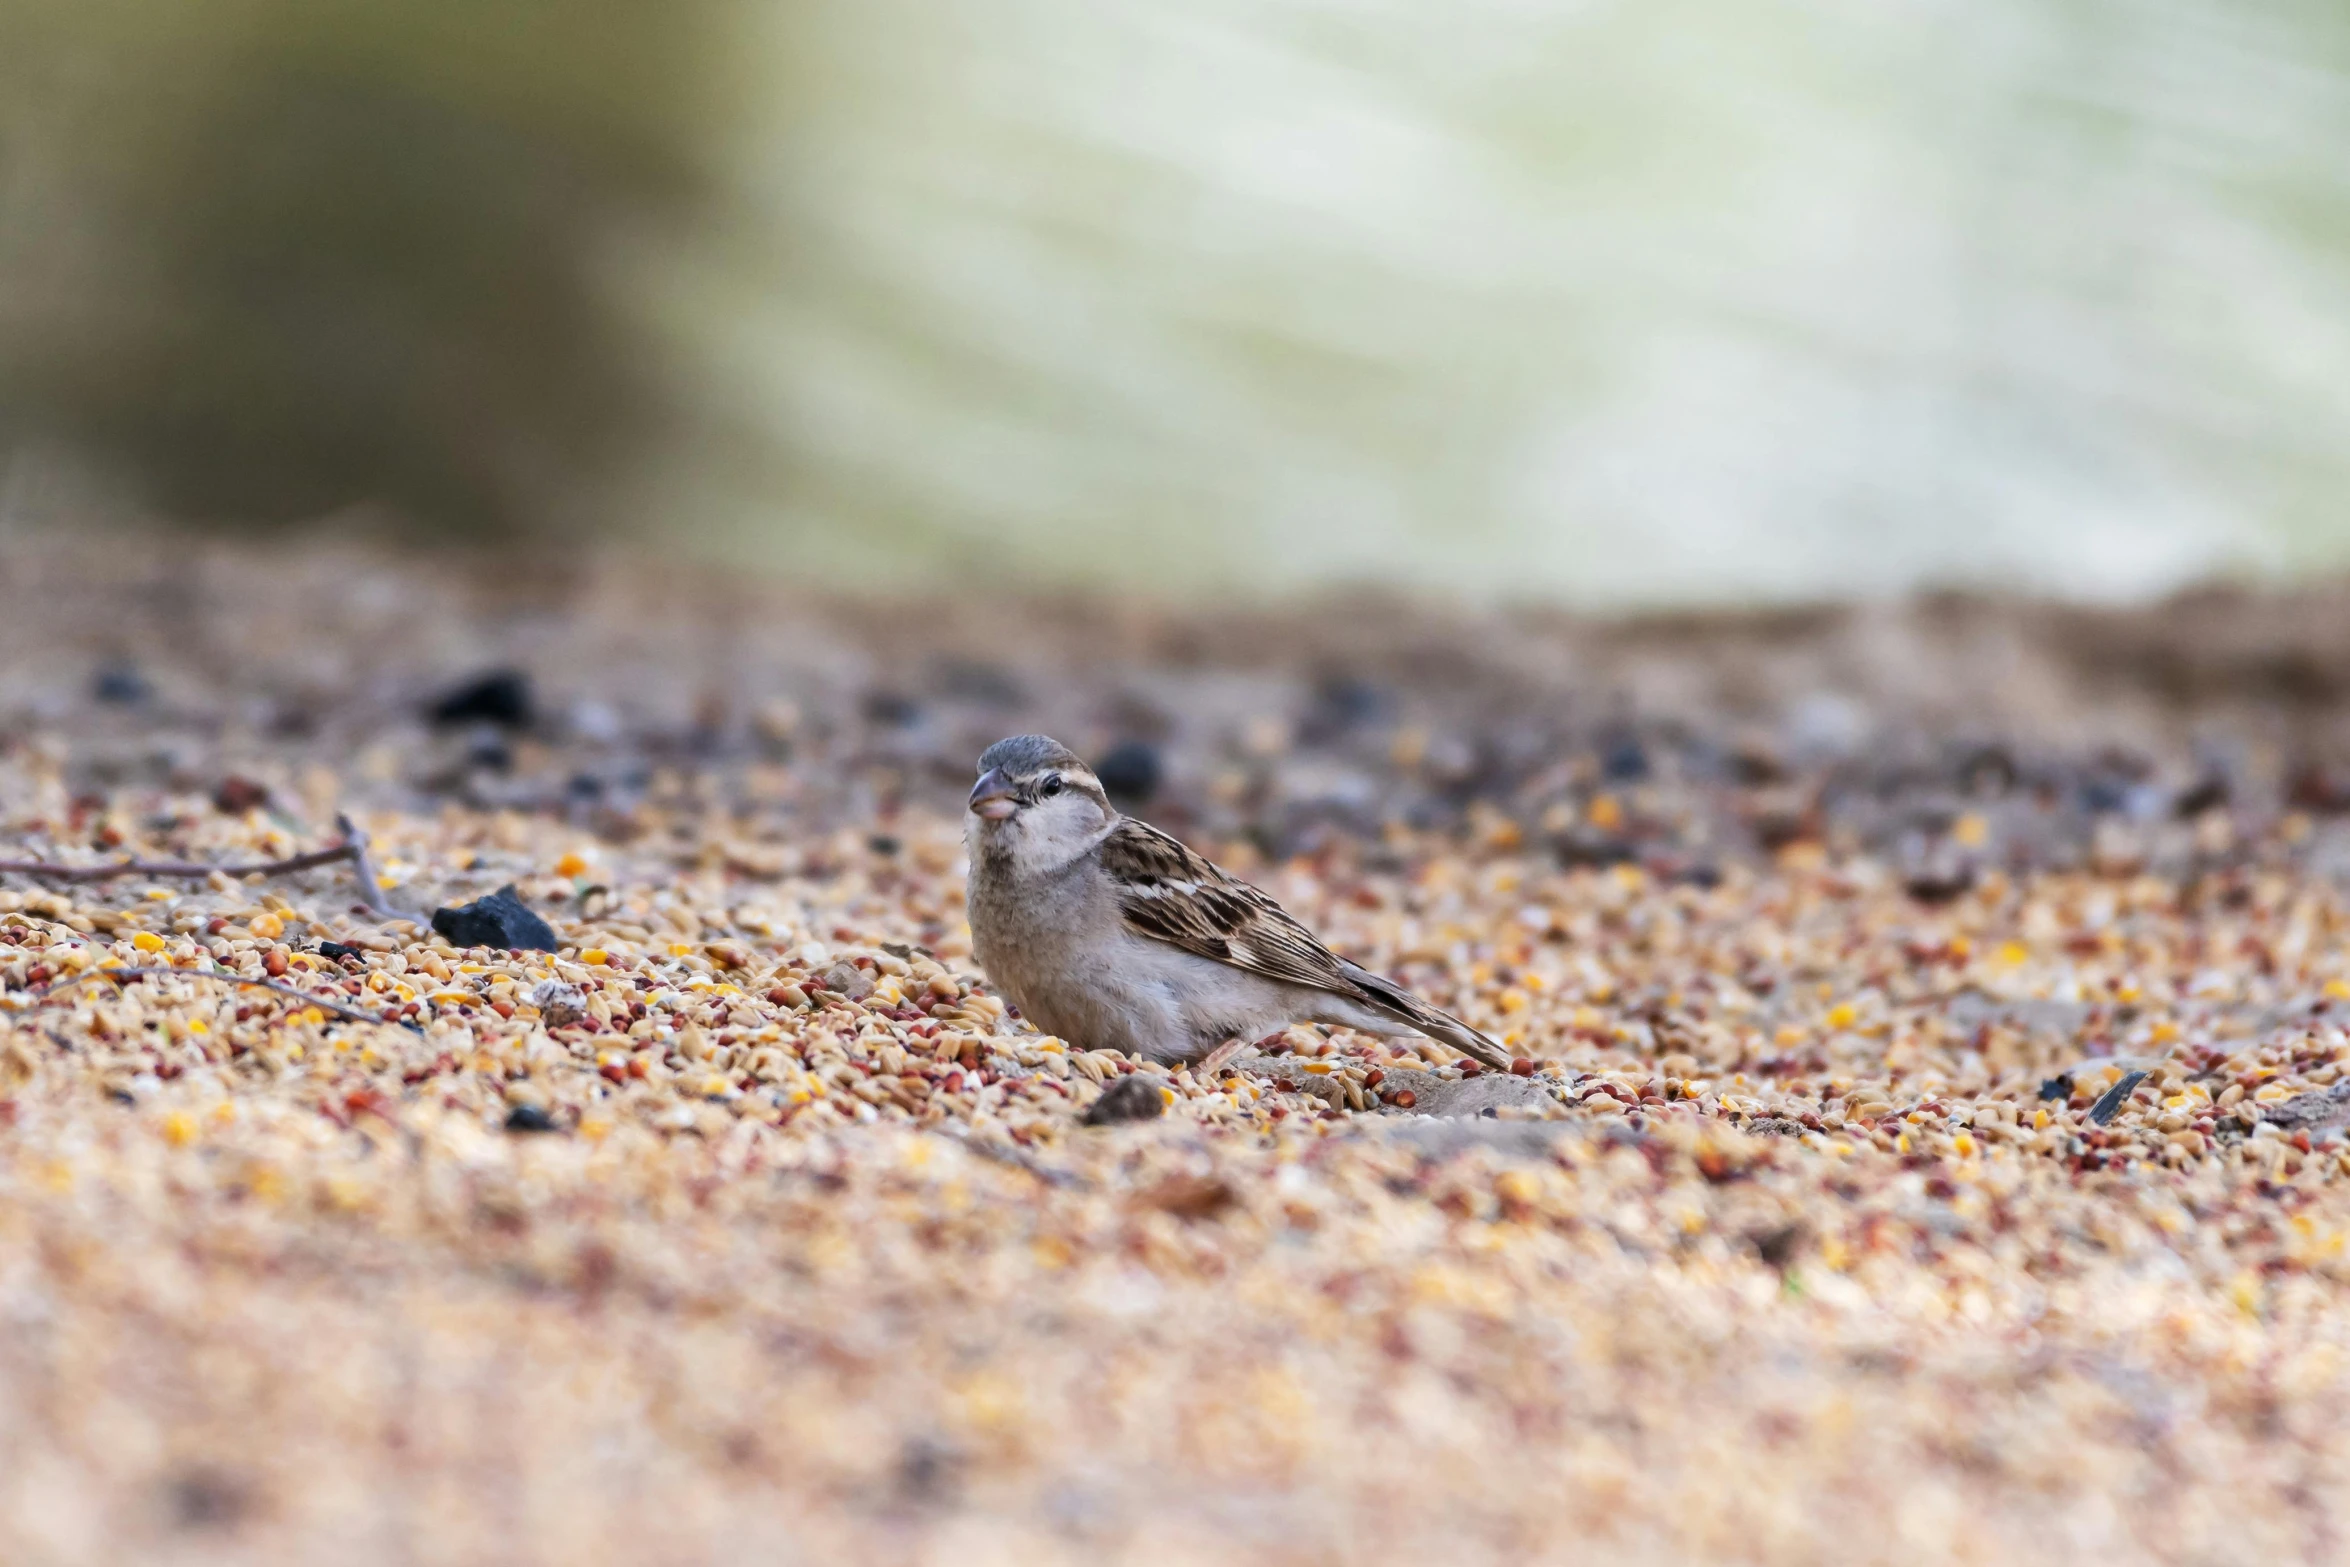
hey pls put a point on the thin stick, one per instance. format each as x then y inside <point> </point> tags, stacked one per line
<point>353,848</point>
<point>1005,1153</point>
<point>339,1009</point>
<point>363,865</point>
<point>49,870</point>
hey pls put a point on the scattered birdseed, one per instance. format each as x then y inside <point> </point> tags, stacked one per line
<point>1914,1144</point>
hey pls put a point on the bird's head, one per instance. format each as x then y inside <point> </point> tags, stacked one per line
<point>1037,803</point>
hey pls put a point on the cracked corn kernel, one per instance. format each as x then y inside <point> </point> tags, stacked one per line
<point>179,1128</point>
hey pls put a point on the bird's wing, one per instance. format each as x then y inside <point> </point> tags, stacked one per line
<point>1171,894</point>
<point>1167,892</point>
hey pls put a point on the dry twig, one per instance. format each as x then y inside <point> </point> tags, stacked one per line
<point>50,870</point>
<point>325,1004</point>
<point>370,885</point>
<point>353,848</point>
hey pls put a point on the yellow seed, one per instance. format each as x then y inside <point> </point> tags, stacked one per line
<point>2040,1120</point>
<point>179,1128</point>
<point>1606,814</point>
<point>268,927</point>
<point>595,957</point>
<point>1843,1015</point>
<point>2012,953</point>
<point>1971,831</point>
<point>147,941</point>
<point>571,865</point>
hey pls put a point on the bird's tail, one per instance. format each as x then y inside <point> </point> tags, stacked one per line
<point>1413,1013</point>
<point>1446,1029</point>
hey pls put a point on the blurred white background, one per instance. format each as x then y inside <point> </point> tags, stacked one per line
<point>1594,302</point>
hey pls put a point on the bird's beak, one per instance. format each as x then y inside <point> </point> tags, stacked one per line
<point>992,797</point>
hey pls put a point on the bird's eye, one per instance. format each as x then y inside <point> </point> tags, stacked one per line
<point>1051,786</point>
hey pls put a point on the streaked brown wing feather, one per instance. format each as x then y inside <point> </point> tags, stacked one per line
<point>1168,892</point>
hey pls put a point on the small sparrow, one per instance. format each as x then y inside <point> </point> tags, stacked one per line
<point>1107,932</point>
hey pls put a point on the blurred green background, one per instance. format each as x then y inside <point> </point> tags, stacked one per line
<point>1558,299</point>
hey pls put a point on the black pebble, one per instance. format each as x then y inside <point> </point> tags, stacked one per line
<point>1130,772</point>
<point>1940,886</point>
<point>1134,1098</point>
<point>1625,760</point>
<point>2058,1087</point>
<point>1778,1247</point>
<point>2207,793</point>
<point>336,951</point>
<point>500,920</point>
<point>529,1118</point>
<point>891,709</point>
<point>121,683</point>
<point>1344,702</point>
<point>498,696</point>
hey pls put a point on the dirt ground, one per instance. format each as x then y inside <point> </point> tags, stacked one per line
<point>1927,1142</point>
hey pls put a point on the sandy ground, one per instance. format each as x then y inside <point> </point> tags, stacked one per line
<point>1928,1145</point>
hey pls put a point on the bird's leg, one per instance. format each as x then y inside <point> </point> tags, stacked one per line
<point>1217,1059</point>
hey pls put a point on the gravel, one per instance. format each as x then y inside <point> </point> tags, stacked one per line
<point>748,1224</point>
